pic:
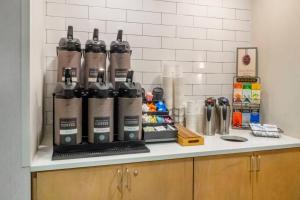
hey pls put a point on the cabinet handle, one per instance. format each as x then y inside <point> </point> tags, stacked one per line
<point>258,163</point>
<point>120,182</point>
<point>136,172</point>
<point>252,163</point>
<point>128,179</point>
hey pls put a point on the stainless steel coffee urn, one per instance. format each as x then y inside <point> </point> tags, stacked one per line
<point>67,111</point>
<point>119,58</point>
<point>100,111</point>
<point>210,116</point>
<point>130,110</point>
<point>94,58</point>
<point>223,116</point>
<point>69,56</point>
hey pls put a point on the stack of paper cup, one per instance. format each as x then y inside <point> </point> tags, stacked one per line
<point>194,116</point>
<point>167,84</point>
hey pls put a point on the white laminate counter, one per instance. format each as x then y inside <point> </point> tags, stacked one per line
<point>213,146</point>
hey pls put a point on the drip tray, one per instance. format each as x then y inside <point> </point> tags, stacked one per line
<point>64,152</point>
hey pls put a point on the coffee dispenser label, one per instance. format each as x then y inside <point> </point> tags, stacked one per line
<point>73,74</point>
<point>68,130</point>
<point>93,73</point>
<point>101,129</point>
<point>120,75</point>
<point>131,127</point>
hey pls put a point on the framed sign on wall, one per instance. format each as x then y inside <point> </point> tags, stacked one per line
<point>247,62</point>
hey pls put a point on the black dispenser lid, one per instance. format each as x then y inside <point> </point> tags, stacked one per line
<point>95,45</point>
<point>67,89</point>
<point>129,88</point>
<point>69,43</point>
<point>223,101</point>
<point>101,89</point>
<point>119,46</point>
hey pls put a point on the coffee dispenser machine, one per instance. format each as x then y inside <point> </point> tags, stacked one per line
<point>100,111</point>
<point>119,58</point>
<point>130,110</point>
<point>94,59</point>
<point>69,56</point>
<point>223,116</point>
<point>67,107</point>
<point>210,116</point>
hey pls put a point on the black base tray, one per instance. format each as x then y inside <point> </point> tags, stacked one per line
<point>64,152</point>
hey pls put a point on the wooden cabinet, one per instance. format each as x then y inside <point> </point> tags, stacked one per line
<point>277,176</point>
<point>270,175</point>
<point>223,177</point>
<point>165,180</point>
<point>95,183</point>
<point>161,180</point>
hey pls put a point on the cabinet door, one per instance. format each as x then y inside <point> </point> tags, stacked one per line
<point>95,183</point>
<point>160,180</point>
<point>223,177</point>
<point>278,175</point>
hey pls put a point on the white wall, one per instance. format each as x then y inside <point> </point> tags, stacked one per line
<point>14,179</point>
<point>276,32</point>
<point>187,32</point>
<point>37,41</point>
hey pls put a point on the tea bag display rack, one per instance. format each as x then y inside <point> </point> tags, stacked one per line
<point>246,102</point>
<point>158,131</point>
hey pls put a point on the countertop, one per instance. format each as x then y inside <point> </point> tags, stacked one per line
<point>164,151</point>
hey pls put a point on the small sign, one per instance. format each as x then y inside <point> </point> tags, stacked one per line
<point>247,62</point>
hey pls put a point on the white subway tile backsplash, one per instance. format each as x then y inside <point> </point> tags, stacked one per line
<point>144,41</point>
<point>229,68</point>
<point>146,66</point>
<point>211,45</point>
<point>179,20</point>
<point>219,78</point>
<point>220,56</point>
<point>87,2</point>
<point>232,45</point>
<point>159,30</point>
<point>199,35</point>
<point>158,54</point>
<point>207,90</point>
<point>206,22</point>
<point>66,10</point>
<point>188,89</point>
<point>220,34</point>
<point>151,78</point>
<point>185,66</point>
<point>176,43</point>
<point>107,14</point>
<point>194,78</point>
<point>237,25</point>
<point>243,14</point>
<point>101,25</point>
<point>243,36</point>
<point>191,9</point>
<point>219,12</point>
<point>209,2</point>
<point>189,55</point>
<point>137,53</point>
<point>125,4</point>
<point>129,28</point>
<point>159,6</point>
<point>241,4</point>
<point>191,32</point>
<point>57,23</point>
<point>143,17</point>
<point>202,67</point>
<point>78,24</point>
